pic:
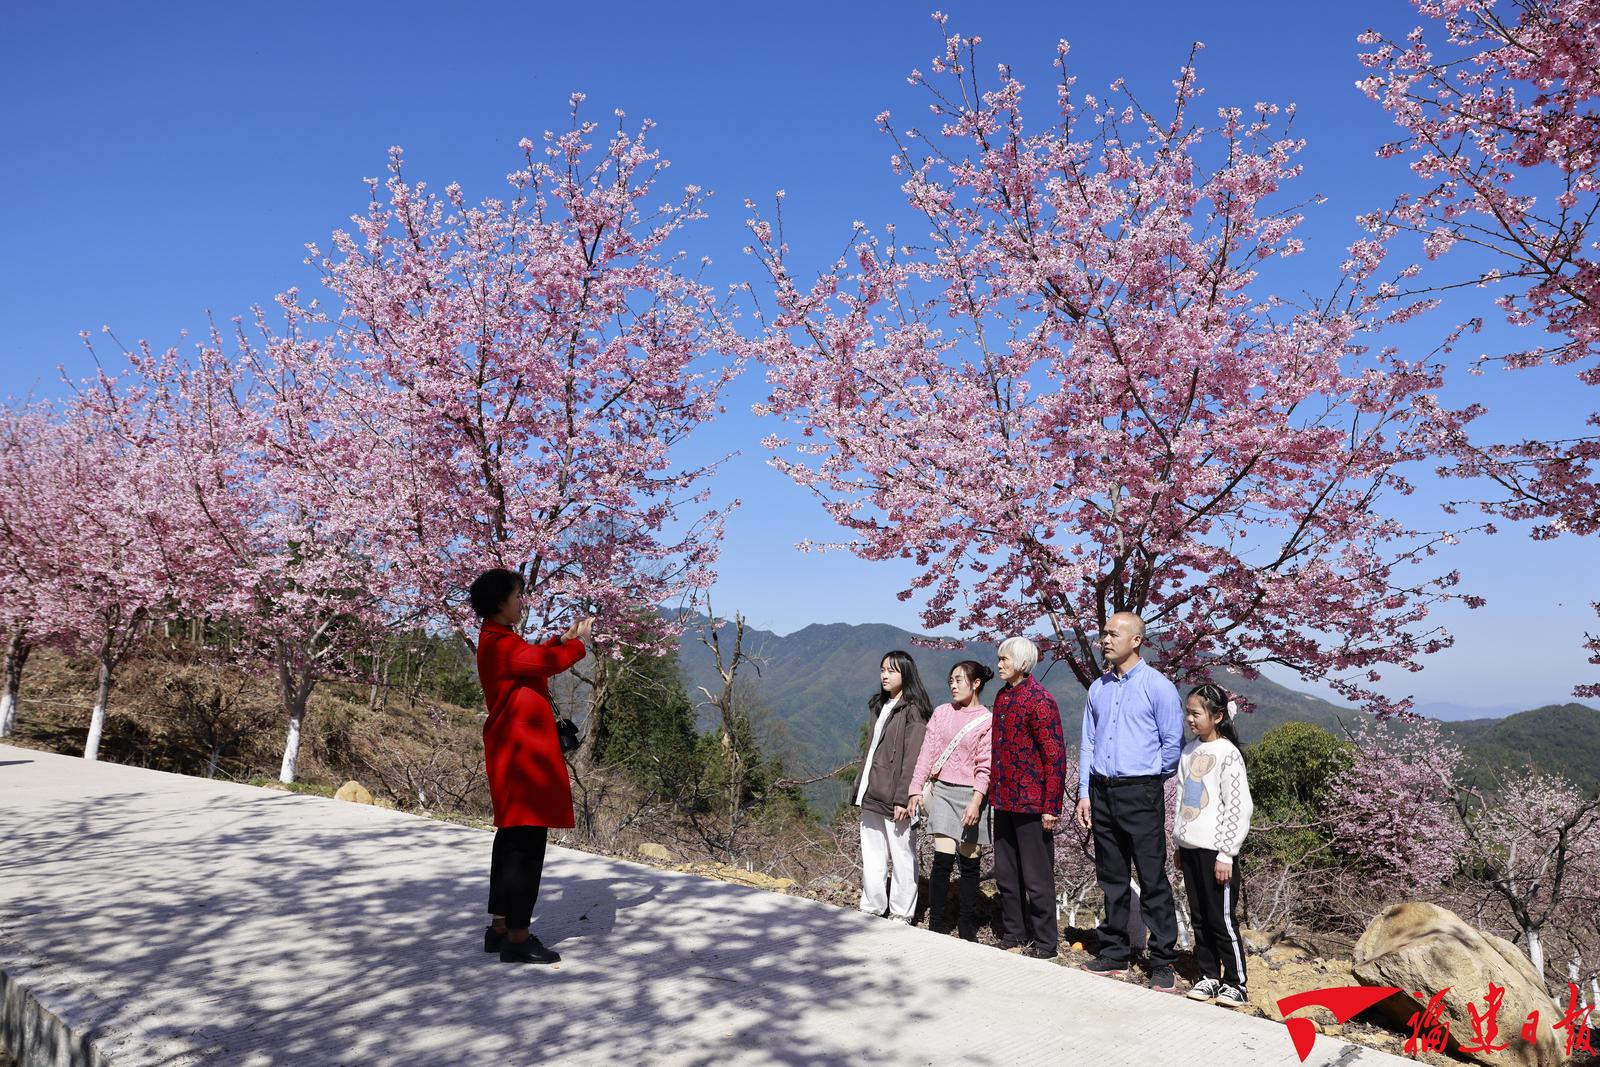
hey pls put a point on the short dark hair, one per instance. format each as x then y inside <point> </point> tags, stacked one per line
<point>492,589</point>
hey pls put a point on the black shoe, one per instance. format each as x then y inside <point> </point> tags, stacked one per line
<point>492,939</point>
<point>1039,951</point>
<point>529,951</point>
<point>1103,965</point>
<point>1162,980</point>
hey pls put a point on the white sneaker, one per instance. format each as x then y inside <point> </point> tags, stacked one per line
<point>1205,989</point>
<point>1231,996</point>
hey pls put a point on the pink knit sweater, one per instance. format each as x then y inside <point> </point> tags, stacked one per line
<point>969,763</point>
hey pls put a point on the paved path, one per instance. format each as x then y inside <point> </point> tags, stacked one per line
<point>170,920</point>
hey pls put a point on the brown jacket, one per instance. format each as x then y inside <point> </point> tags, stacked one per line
<point>889,777</point>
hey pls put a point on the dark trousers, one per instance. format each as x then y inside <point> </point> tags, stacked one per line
<point>1214,910</point>
<point>1025,874</point>
<point>515,868</point>
<point>1130,833</point>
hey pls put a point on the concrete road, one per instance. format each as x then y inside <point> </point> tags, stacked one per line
<point>150,918</point>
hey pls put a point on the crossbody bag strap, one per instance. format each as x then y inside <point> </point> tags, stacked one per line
<point>949,750</point>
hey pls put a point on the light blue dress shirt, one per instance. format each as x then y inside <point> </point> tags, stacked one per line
<point>1132,725</point>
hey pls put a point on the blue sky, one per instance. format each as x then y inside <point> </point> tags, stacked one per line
<point>163,161</point>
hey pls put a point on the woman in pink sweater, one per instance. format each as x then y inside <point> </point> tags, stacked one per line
<point>950,783</point>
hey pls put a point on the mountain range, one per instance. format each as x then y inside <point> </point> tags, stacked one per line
<point>813,686</point>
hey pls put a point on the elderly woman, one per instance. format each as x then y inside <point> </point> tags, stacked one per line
<point>1028,766</point>
<point>528,782</point>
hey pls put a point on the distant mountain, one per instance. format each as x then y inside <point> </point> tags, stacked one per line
<point>1559,739</point>
<point>1446,711</point>
<point>816,682</point>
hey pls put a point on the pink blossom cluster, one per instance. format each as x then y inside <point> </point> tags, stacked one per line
<point>1500,122</point>
<point>1074,392</point>
<point>501,383</point>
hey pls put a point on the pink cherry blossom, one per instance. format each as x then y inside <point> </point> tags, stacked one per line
<point>1500,125</point>
<point>1075,393</point>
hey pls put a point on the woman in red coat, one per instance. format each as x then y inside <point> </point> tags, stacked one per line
<point>527,773</point>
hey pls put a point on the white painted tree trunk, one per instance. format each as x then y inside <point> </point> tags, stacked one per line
<point>1536,951</point>
<point>1180,908</point>
<point>16,656</point>
<point>97,718</point>
<point>291,749</point>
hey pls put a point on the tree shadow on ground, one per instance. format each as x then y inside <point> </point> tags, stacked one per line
<point>242,926</point>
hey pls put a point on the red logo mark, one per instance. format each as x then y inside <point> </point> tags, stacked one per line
<point>1345,1001</point>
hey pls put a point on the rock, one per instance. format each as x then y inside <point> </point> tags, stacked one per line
<point>1267,985</point>
<point>652,851</point>
<point>756,879</point>
<point>723,872</point>
<point>1420,947</point>
<point>354,792</point>
<point>1283,952</point>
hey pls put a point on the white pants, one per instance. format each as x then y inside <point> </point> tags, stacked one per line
<point>886,843</point>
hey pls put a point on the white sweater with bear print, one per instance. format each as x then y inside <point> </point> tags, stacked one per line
<point>1213,798</point>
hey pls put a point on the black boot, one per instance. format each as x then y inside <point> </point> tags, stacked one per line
<point>969,898</point>
<point>939,892</point>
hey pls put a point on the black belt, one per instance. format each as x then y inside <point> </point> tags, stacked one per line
<point>1126,779</point>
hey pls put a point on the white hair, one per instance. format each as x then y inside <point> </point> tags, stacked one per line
<point>1024,654</point>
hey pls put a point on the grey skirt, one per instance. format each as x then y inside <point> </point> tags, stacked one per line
<point>946,803</point>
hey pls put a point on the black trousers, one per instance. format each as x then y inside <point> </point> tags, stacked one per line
<point>1214,910</point>
<point>515,868</point>
<point>1025,874</point>
<point>1130,833</point>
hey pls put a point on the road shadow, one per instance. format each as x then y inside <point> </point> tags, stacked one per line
<point>245,926</point>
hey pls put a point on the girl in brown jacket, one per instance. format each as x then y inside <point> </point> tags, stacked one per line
<point>900,713</point>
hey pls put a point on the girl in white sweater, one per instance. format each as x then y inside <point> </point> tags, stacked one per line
<point>1212,820</point>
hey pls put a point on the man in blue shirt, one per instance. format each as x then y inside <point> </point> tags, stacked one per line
<point>1132,736</point>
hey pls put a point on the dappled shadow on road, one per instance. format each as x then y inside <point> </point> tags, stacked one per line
<point>247,926</point>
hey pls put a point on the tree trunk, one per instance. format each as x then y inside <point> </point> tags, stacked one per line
<point>291,747</point>
<point>296,692</point>
<point>1536,950</point>
<point>1180,909</point>
<point>16,656</point>
<point>216,761</point>
<point>97,717</point>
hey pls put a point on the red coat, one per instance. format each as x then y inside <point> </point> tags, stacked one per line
<point>527,773</point>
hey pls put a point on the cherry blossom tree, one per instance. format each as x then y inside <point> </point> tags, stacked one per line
<point>1078,397</point>
<point>261,455</point>
<point>109,545</point>
<point>523,371</point>
<point>1536,843</point>
<point>25,440</point>
<point>1500,124</point>
<point>1391,816</point>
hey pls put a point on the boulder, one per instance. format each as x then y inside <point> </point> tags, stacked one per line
<point>354,792</point>
<point>1422,949</point>
<point>725,873</point>
<point>652,851</point>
